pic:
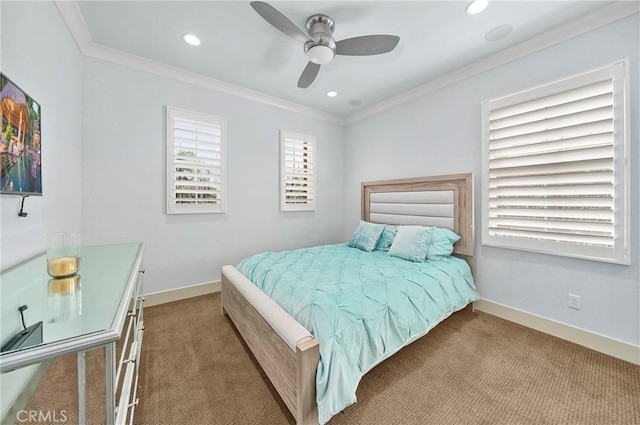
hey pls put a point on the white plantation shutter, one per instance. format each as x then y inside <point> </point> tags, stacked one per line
<point>196,166</point>
<point>297,172</point>
<point>555,171</point>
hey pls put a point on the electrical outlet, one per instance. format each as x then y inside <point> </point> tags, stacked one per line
<point>574,301</point>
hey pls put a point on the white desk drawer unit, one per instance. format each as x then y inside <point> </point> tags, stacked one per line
<point>128,365</point>
<point>107,310</point>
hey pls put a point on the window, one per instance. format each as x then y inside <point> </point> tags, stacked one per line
<point>297,172</point>
<point>196,166</point>
<point>555,171</point>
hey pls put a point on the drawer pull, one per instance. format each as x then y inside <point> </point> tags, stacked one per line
<point>135,403</point>
<point>132,314</point>
<point>142,270</point>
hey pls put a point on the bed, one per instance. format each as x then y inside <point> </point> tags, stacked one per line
<point>285,349</point>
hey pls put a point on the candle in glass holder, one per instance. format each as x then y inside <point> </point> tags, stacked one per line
<point>63,254</point>
<point>64,266</point>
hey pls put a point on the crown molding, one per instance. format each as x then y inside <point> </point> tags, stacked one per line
<point>589,22</point>
<point>70,12</point>
<point>132,61</point>
<point>72,17</point>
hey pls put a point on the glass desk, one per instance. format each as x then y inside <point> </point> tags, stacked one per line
<point>80,314</point>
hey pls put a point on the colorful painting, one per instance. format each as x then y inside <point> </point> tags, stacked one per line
<point>21,172</point>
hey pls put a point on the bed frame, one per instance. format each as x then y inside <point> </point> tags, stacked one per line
<point>286,351</point>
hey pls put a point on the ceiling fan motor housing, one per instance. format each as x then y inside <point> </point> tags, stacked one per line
<point>322,49</point>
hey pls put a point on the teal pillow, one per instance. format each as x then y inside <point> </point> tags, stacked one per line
<point>386,239</point>
<point>411,243</point>
<point>366,236</point>
<point>440,243</point>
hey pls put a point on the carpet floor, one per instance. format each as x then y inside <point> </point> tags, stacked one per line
<point>473,368</point>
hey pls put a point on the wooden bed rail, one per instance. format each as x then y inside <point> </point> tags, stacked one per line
<point>292,373</point>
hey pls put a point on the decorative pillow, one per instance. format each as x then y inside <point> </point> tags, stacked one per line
<point>411,243</point>
<point>440,243</point>
<point>366,236</point>
<point>386,239</point>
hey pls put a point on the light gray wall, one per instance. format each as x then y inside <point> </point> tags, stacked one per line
<point>35,42</point>
<point>440,134</point>
<point>39,55</point>
<point>124,190</point>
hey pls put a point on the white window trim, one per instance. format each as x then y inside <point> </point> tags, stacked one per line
<point>313,175</point>
<point>173,208</point>
<point>619,253</point>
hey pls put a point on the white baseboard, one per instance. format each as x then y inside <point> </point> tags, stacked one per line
<point>178,294</point>
<point>619,349</point>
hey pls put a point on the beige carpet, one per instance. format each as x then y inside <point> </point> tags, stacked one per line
<point>472,369</point>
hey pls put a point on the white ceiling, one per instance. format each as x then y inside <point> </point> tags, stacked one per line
<point>239,47</point>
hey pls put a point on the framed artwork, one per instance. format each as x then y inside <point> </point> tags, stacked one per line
<point>20,158</point>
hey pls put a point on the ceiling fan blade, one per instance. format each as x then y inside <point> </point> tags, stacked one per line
<point>308,75</point>
<point>367,45</point>
<point>281,22</point>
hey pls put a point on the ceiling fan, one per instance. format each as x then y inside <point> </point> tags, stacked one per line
<point>319,44</point>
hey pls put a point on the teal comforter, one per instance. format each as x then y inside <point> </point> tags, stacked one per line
<point>361,306</point>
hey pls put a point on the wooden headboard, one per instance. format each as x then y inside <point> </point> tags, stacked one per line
<point>442,201</point>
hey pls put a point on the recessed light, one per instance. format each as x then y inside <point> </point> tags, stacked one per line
<point>476,6</point>
<point>498,33</point>
<point>191,39</point>
<point>332,93</point>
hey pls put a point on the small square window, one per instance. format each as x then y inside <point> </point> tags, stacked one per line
<point>196,162</point>
<point>297,172</point>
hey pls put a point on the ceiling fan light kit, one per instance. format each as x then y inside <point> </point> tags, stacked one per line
<point>320,54</point>
<point>319,45</point>
<point>322,49</point>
